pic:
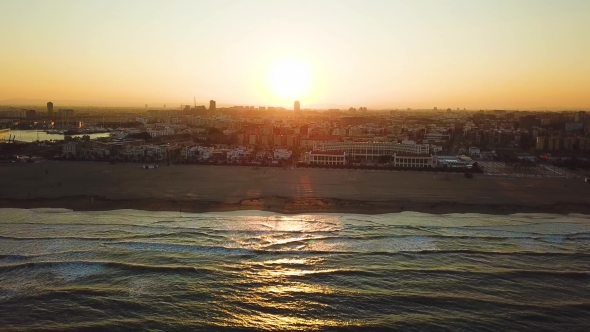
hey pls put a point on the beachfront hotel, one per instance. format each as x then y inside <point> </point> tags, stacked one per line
<point>371,150</point>
<point>325,158</point>
<point>413,160</point>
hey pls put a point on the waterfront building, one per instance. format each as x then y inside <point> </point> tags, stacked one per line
<point>413,160</point>
<point>282,154</point>
<point>371,150</point>
<point>454,161</point>
<point>325,158</point>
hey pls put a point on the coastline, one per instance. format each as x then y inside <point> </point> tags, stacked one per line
<point>285,205</point>
<point>88,186</point>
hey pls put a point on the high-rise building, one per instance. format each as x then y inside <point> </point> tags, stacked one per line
<point>65,113</point>
<point>50,109</point>
<point>212,106</point>
<point>30,114</point>
<point>297,106</point>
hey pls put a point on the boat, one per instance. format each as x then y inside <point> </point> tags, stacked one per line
<point>72,132</point>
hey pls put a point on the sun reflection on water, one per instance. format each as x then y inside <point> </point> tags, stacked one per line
<point>270,294</point>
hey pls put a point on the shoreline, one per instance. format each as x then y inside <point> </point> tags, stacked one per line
<point>285,205</point>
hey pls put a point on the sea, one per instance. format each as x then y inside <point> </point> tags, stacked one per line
<point>124,270</point>
<point>34,135</point>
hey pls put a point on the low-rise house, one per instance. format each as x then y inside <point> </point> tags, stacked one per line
<point>282,154</point>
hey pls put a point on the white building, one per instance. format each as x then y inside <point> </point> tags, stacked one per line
<point>138,152</point>
<point>201,152</point>
<point>454,161</point>
<point>239,153</point>
<point>282,154</point>
<point>371,150</point>
<point>325,158</point>
<point>413,160</point>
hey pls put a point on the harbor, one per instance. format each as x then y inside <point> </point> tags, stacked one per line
<point>39,135</point>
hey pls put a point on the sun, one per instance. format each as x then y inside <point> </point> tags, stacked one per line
<point>289,79</point>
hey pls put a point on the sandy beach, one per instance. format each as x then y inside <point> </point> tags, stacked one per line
<point>192,188</point>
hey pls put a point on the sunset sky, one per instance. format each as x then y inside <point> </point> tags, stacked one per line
<point>379,54</point>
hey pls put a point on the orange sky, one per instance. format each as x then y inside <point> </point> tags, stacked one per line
<point>379,54</point>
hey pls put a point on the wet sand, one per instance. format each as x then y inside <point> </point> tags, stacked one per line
<point>192,188</point>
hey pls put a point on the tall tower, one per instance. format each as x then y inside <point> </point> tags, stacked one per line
<point>297,106</point>
<point>50,109</point>
<point>212,105</point>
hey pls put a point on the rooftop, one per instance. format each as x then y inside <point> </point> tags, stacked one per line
<point>422,155</point>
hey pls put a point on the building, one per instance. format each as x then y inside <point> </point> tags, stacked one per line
<point>50,109</point>
<point>541,143</point>
<point>311,142</point>
<point>70,149</point>
<point>413,160</point>
<point>31,114</point>
<point>436,137</point>
<point>454,161</point>
<point>325,158</point>
<point>212,106</point>
<point>144,152</point>
<point>574,126</point>
<point>528,121</point>
<point>160,131</point>
<point>297,106</point>
<point>65,113</point>
<point>474,151</point>
<point>554,143</point>
<point>371,150</point>
<point>282,154</point>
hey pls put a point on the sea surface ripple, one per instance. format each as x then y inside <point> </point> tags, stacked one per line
<point>163,271</point>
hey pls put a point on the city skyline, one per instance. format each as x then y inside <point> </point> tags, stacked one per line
<point>381,55</point>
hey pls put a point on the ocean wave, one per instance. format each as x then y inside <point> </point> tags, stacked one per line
<point>488,273</point>
<point>275,249</point>
<point>182,248</point>
<point>97,266</point>
<point>127,236</point>
<point>77,269</point>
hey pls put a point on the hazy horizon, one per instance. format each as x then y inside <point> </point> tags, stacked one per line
<point>378,54</point>
<point>41,104</point>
